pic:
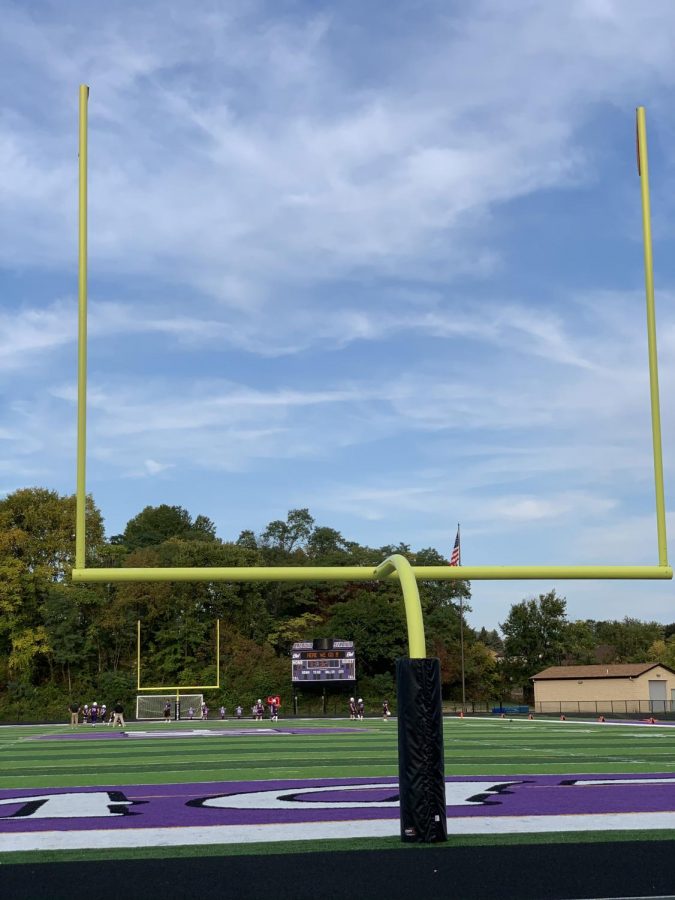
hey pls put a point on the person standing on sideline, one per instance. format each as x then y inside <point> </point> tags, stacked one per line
<point>74,714</point>
<point>222,712</point>
<point>167,711</point>
<point>238,712</point>
<point>259,710</point>
<point>385,710</point>
<point>361,707</point>
<point>352,708</point>
<point>118,714</point>
<point>191,712</point>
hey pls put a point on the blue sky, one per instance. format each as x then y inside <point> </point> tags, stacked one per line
<point>379,260</point>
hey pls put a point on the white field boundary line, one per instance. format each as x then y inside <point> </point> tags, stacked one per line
<point>448,720</point>
<point>567,723</point>
<point>230,720</point>
<point>248,834</point>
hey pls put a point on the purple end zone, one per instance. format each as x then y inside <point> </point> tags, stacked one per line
<point>321,800</point>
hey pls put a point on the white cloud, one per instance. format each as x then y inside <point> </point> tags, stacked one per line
<point>320,229</point>
<point>153,467</point>
<point>312,179</point>
<point>30,331</point>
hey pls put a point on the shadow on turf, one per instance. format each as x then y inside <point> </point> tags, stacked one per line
<point>551,872</point>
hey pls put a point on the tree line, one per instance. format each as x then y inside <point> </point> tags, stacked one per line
<point>61,641</point>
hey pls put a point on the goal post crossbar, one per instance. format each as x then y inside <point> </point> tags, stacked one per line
<point>369,573</point>
<point>175,691</point>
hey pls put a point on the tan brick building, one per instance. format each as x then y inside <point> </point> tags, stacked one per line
<point>625,688</point>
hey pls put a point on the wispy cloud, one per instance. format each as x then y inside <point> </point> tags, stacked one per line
<point>281,170</point>
<point>387,266</point>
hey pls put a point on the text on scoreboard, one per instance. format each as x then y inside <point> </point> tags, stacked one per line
<point>324,659</point>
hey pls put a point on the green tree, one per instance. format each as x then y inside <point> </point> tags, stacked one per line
<point>287,631</point>
<point>581,643</point>
<point>663,651</point>
<point>38,528</point>
<point>248,540</point>
<point>326,547</point>
<point>534,637</point>
<point>630,638</point>
<point>156,524</point>
<point>64,628</point>
<point>289,535</point>
<point>28,644</point>
<point>491,639</point>
<point>376,623</point>
<point>37,549</point>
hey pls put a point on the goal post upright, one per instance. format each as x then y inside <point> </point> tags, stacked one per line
<point>81,494</point>
<point>643,172</point>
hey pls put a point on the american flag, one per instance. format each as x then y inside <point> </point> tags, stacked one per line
<point>454,556</point>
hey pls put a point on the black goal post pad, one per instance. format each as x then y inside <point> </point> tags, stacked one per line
<point>421,773</point>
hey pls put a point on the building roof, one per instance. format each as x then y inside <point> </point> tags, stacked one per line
<point>623,670</point>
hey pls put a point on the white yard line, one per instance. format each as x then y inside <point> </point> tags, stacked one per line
<point>355,828</point>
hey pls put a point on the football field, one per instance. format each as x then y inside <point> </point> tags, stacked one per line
<point>248,789</point>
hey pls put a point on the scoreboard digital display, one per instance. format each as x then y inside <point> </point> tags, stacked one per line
<point>325,659</point>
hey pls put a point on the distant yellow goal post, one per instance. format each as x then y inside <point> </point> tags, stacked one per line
<point>177,688</point>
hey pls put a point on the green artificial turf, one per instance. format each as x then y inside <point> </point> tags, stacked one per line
<point>29,759</point>
<point>472,747</point>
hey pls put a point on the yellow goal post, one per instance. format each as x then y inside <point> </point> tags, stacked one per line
<point>175,688</point>
<point>397,567</point>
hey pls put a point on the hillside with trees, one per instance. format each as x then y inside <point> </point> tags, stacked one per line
<point>60,641</point>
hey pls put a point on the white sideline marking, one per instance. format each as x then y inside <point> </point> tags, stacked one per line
<point>357,828</point>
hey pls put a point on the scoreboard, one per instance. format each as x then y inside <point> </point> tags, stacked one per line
<point>321,660</point>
